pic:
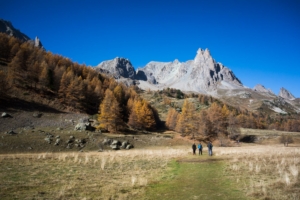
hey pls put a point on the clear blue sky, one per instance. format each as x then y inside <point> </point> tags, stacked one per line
<point>258,39</point>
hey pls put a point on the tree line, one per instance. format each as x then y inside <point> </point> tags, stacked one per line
<point>221,120</point>
<point>24,67</point>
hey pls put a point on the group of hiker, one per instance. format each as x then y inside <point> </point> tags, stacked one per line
<point>209,146</point>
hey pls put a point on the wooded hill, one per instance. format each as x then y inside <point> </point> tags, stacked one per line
<point>32,74</point>
<point>215,118</point>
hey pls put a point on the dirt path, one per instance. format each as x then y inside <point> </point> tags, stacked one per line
<point>200,177</point>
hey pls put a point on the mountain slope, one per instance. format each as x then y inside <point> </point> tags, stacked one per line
<point>9,29</point>
<point>118,67</point>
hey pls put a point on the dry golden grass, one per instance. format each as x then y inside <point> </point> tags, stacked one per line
<point>106,175</point>
<point>266,132</point>
<point>268,172</point>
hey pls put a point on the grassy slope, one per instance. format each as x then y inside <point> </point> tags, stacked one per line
<point>196,178</point>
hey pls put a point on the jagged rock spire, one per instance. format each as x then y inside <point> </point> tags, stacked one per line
<point>284,93</point>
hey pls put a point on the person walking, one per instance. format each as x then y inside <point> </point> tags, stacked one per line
<point>210,146</point>
<point>194,149</point>
<point>200,148</point>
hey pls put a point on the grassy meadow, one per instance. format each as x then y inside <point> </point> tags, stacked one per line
<point>247,171</point>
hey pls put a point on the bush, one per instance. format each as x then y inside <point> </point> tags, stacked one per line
<point>286,139</point>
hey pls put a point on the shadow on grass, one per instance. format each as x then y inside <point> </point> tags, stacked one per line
<point>10,104</point>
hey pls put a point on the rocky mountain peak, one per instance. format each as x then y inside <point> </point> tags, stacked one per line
<point>203,56</point>
<point>261,88</point>
<point>284,93</point>
<point>202,74</point>
<point>118,67</point>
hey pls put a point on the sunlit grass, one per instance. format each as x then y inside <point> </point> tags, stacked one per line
<point>106,175</point>
<point>270,172</point>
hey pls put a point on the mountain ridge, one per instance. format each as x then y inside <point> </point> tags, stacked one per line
<point>202,75</point>
<point>7,28</point>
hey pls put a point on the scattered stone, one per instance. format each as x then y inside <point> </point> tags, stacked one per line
<point>59,129</point>
<point>116,145</point>
<point>72,137</point>
<point>30,148</point>
<point>57,136</point>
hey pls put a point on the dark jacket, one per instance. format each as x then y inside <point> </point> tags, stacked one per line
<point>210,146</point>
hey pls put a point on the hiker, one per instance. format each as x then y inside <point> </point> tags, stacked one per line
<point>209,146</point>
<point>194,149</point>
<point>200,148</point>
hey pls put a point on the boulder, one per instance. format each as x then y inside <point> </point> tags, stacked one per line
<point>129,146</point>
<point>48,139</point>
<point>80,127</point>
<point>37,115</point>
<point>114,147</point>
<point>124,144</point>
<point>5,115</point>
<point>57,142</point>
<point>11,132</point>
<point>116,142</point>
<point>84,126</point>
<point>107,141</point>
<point>69,141</point>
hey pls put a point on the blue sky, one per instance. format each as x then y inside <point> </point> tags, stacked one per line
<point>259,40</point>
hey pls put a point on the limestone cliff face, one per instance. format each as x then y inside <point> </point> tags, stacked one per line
<point>203,74</point>
<point>118,68</point>
<point>200,75</point>
<point>284,93</point>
